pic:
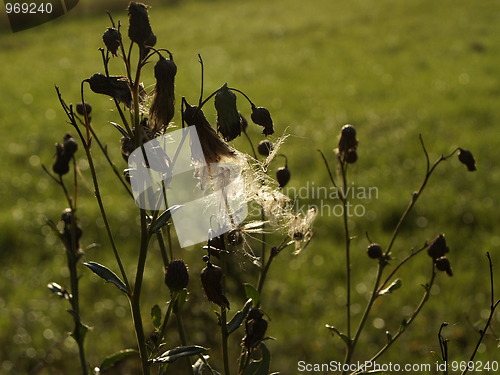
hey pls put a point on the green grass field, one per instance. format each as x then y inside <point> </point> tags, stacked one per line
<point>393,69</point>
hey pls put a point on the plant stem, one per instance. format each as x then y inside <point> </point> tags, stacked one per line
<point>182,333</point>
<point>223,326</point>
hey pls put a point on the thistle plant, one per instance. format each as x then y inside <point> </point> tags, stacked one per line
<point>144,119</point>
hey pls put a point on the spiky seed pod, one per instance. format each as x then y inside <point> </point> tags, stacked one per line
<point>438,247</point>
<point>162,108</point>
<point>112,39</point>
<point>374,251</point>
<point>80,109</point>
<point>283,176</point>
<point>139,30</point>
<point>351,156</point>
<point>443,264</point>
<point>176,275</point>
<point>115,86</point>
<point>211,279</point>
<point>228,117</point>
<point>264,147</point>
<point>212,145</point>
<point>255,329</point>
<point>466,157</point>
<point>262,117</point>
<point>347,139</point>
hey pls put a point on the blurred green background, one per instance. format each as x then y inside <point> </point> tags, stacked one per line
<point>393,69</point>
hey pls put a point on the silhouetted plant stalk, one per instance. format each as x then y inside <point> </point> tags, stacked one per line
<point>347,154</point>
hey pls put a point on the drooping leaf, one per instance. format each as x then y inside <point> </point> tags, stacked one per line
<point>173,355</point>
<point>239,317</point>
<point>120,129</point>
<point>156,316</point>
<point>395,285</point>
<point>106,274</point>
<point>335,330</point>
<point>202,367</point>
<point>163,219</point>
<point>113,359</point>
<point>252,293</point>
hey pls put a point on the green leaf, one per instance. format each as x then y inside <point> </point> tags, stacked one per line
<point>395,285</point>
<point>239,317</point>
<point>173,355</point>
<point>113,359</point>
<point>120,129</point>
<point>335,330</point>
<point>80,329</point>
<point>262,366</point>
<point>106,274</point>
<point>59,290</point>
<point>156,316</point>
<point>163,219</point>
<point>252,293</point>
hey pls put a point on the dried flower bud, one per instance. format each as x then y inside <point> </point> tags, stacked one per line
<point>443,264</point>
<point>438,247</point>
<point>81,107</point>
<point>71,243</point>
<point>112,39</point>
<point>139,30</point>
<point>264,147</point>
<point>262,117</point>
<point>211,279</point>
<point>228,117</point>
<point>374,251</point>
<point>212,145</point>
<point>351,156</point>
<point>283,176</point>
<point>347,139</point>
<point>61,165</point>
<point>215,246</point>
<point>70,146</point>
<point>255,329</point>
<point>162,108</point>
<point>176,275</point>
<point>115,86</point>
<point>466,157</point>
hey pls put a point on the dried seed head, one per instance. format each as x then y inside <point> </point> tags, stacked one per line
<point>112,39</point>
<point>81,107</point>
<point>61,165</point>
<point>211,279</point>
<point>283,176</point>
<point>351,156</point>
<point>214,148</point>
<point>443,264</point>
<point>347,139</point>
<point>215,246</point>
<point>176,275</point>
<point>71,243</point>
<point>139,30</point>
<point>115,86</point>
<point>374,251</point>
<point>438,247</point>
<point>255,329</point>
<point>162,108</point>
<point>466,157</point>
<point>264,147</point>
<point>70,146</point>
<point>235,237</point>
<point>262,117</point>
<point>228,117</point>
